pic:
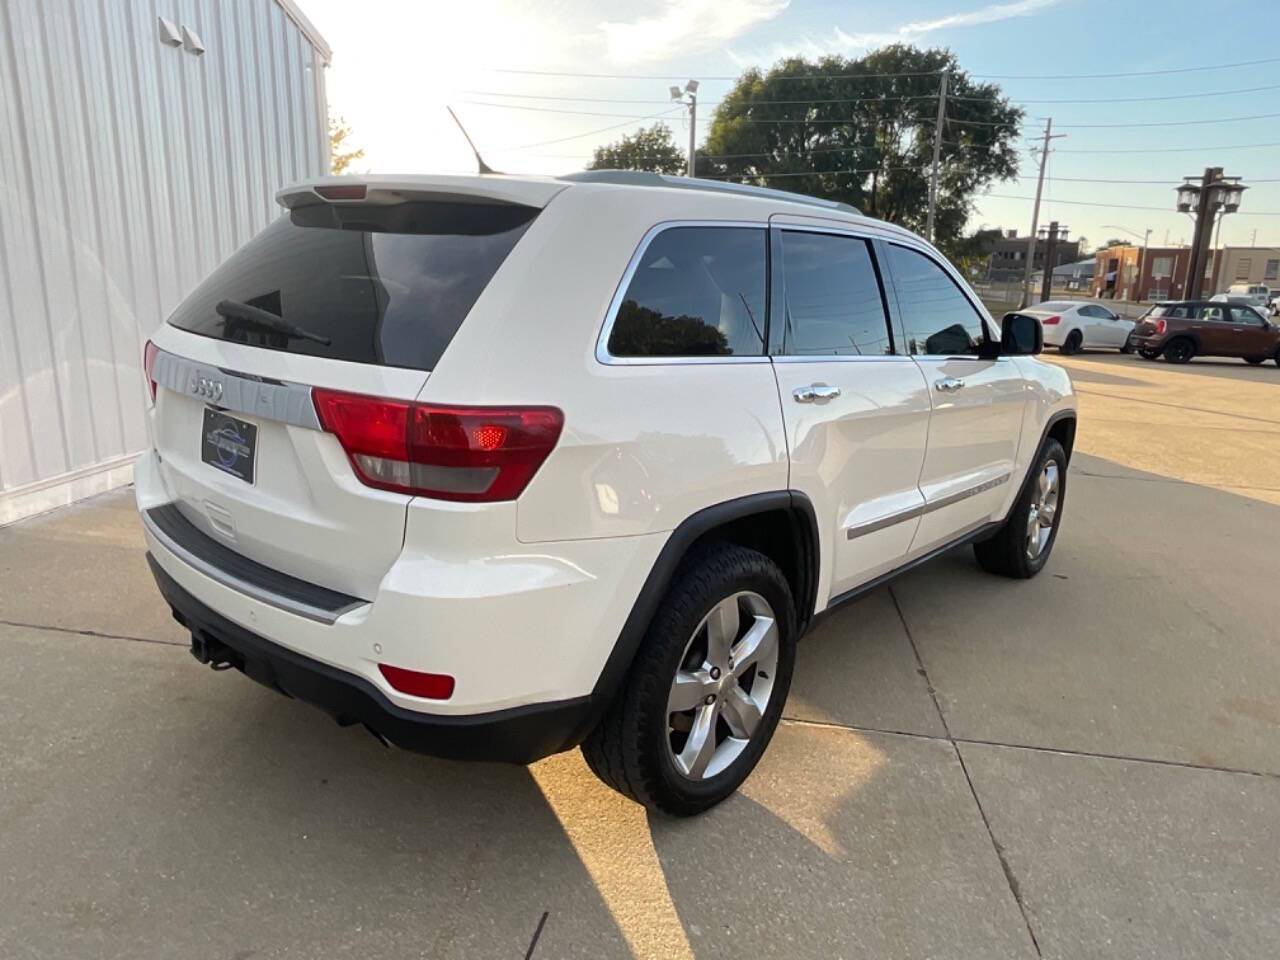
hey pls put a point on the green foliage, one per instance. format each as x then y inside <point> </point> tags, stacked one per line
<point>885,137</point>
<point>340,158</point>
<point>970,254</point>
<point>651,149</point>
<point>644,332</point>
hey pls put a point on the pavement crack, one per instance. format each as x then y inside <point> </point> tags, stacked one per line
<point>1010,879</point>
<point>75,631</point>
<point>536,934</point>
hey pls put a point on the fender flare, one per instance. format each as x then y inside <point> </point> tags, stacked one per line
<point>682,538</point>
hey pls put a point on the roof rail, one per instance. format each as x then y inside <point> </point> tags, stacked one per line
<point>642,178</point>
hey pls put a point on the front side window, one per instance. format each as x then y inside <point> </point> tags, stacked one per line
<point>1246,315</point>
<point>833,302</point>
<point>696,292</point>
<point>937,317</point>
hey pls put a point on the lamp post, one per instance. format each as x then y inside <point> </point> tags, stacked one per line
<point>1142,254</point>
<point>1212,194</point>
<point>678,96</point>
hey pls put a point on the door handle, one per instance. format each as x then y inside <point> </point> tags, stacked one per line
<point>948,384</point>
<point>815,393</point>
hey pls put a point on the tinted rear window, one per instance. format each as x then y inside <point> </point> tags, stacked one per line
<point>389,285</point>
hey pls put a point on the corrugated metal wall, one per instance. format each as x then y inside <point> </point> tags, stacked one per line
<point>129,168</point>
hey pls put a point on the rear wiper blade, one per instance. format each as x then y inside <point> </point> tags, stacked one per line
<point>235,310</point>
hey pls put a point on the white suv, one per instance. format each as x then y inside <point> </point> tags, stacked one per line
<point>498,466</point>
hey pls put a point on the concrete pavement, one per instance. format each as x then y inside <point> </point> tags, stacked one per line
<point>1083,765</point>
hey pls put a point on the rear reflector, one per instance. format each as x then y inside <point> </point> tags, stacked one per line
<point>343,191</point>
<point>435,686</point>
<point>148,365</point>
<point>473,454</point>
<point>1051,321</point>
<point>1160,326</point>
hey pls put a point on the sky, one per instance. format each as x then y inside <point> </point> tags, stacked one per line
<point>398,63</point>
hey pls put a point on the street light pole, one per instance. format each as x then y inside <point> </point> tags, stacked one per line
<point>678,95</point>
<point>1213,193</point>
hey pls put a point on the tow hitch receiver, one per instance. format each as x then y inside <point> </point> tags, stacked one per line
<point>213,652</point>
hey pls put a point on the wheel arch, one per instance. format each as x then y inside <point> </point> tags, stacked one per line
<point>780,524</point>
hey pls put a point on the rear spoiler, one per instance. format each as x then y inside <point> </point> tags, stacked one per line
<point>380,190</point>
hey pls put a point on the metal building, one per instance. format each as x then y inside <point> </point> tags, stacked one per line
<point>141,142</point>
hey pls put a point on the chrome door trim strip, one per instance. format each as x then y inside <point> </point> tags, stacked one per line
<point>240,392</point>
<point>287,604</point>
<point>919,510</point>
<point>602,342</point>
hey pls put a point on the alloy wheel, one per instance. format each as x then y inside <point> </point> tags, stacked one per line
<point>722,687</point>
<point>1044,507</point>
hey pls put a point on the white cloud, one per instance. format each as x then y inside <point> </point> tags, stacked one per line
<point>992,13</point>
<point>686,27</point>
<point>840,41</point>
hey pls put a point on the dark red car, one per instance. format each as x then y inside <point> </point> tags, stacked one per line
<point>1180,330</point>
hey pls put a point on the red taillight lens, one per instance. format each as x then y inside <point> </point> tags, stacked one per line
<point>148,365</point>
<point>475,454</point>
<point>1051,321</point>
<point>1160,326</point>
<point>436,686</point>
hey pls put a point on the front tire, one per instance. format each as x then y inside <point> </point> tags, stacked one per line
<point>1255,360</point>
<point>1022,546</point>
<point>707,686</point>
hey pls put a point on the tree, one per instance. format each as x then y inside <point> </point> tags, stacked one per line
<point>651,149</point>
<point>971,254</point>
<point>340,158</point>
<point>861,131</point>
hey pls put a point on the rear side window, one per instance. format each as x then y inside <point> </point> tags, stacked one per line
<point>389,285</point>
<point>937,318</point>
<point>696,292</point>
<point>833,299</point>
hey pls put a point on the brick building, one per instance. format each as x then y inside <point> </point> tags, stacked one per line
<point>1158,273</point>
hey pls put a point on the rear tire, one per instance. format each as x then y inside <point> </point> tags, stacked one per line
<point>1255,360</point>
<point>1072,344</point>
<point>1179,350</point>
<point>1036,513</point>
<point>645,747</point>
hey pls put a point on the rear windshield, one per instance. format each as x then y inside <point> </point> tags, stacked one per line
<point>1173,310</point>
<point>389,285</point>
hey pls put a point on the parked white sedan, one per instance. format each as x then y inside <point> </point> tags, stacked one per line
<point>1075,325</point>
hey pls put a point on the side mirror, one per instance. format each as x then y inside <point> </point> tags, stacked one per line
<point>1021,335</point>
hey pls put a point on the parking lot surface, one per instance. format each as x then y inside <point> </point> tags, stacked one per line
<point>1082,765</point>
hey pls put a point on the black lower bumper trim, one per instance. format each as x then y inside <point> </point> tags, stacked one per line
<point>519,735</point>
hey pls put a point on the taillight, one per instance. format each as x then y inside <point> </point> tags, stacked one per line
<point>437,686</point>
<point>474,454</point>
<point>1051,321</point>
<point>1160,326</point>
<point>148,365</point>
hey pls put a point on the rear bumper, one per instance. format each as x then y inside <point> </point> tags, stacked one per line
<point>518,735</point>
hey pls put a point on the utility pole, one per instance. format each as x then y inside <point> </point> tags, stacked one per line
<point>1050,248</point>
<point>678,96</point>
<point>937,153</point>
<point>1035,213</point>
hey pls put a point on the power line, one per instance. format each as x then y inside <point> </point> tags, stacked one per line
<point>1164,149</point>
<point>1128,206</point>
<point>924,73</point>
<point>588,133</point>
<point>1171,96</point>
